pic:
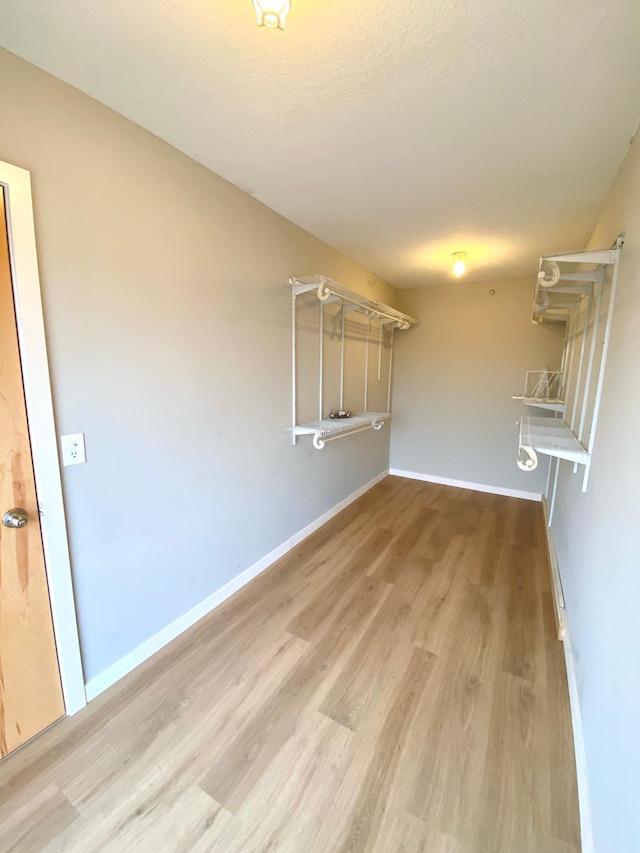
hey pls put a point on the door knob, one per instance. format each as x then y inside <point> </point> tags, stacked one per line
<point>15,518</point>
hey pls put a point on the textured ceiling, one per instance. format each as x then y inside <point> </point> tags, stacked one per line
<point>398,131</point>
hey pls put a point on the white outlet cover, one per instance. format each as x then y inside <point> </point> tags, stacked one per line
<point>73,450</point>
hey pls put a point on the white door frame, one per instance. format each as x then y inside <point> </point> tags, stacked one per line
<point>42,432</point>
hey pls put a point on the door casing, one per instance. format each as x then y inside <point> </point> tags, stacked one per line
<point>42,431</point>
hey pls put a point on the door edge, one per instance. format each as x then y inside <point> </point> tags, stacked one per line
<point>42,431</point>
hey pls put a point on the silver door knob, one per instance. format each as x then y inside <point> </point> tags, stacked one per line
<point>15,518</point>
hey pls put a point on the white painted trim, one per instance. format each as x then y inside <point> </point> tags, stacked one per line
<point>134,658</point>
<point>461,484</point>
<point>42,431</point>
<point>556,582</point>
<point>584,800</point>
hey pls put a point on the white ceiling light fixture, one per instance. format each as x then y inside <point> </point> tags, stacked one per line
<point>272,13</point>
<point>459,263</point>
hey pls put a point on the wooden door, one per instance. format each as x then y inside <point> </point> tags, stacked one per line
<point>30,688</point>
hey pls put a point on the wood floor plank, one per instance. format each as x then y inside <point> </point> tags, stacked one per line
<point>441,598</point>
<point>434,496</point>
<point>314,617</point>
<point>437,539</point>
<point>170,753</point>
<point>377,659</point>
<point>30,826</point>
<point>465,519</point>
<point>450,748</point>
<point>397,501</point>
<point>234,775</point>
<point>402,832</point>
<point>524,635</point>
<point>288,810</point>
<point>515,802</point>
<point>175,821</point>
<point>492,545</point>
<point>408,538</point>
<point>394,683</point>
<point>374,789</point>
<point>464,551</point>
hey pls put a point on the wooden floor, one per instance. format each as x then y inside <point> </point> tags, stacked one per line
<point>392,684</point>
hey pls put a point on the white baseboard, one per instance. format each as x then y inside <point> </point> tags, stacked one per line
<point>134,658</point>
<point>556,583</point>
<point>584,802</point>
<point>461,484</point>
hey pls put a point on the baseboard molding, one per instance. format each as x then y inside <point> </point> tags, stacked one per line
<point>461,484</point>
<point>141,653</point>
<point>584,802</point>
<point>554,570</point>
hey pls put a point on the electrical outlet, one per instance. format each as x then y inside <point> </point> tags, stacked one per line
<point>73,452</point>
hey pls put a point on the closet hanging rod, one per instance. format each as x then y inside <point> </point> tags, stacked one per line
<point>329,291</point>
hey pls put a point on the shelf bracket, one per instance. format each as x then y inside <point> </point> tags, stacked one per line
<point>530,462</point>
<point>299,288</point>
<point>318,441</point>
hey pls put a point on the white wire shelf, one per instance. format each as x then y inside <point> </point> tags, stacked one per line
<point>559,291</point>
<point>543,389</point>
<point>551,437</point>
<point>550,404</point>
<point>329,429</point>
<point>575,295</point>
<point>329,291</point>
<point>377,335</point>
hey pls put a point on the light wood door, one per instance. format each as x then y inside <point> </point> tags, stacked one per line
<point>30,688</point>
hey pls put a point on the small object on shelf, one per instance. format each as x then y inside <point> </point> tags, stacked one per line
<point>339,415</point>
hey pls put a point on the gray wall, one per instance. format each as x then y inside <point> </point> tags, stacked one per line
<point>168,335</point>
<point>454,377</point>
<point>597,538</point>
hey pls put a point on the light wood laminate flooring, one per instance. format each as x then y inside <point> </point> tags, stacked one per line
<point>394,683</point>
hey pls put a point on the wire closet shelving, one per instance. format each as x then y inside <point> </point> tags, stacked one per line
<point>543,389</point>
<point>574,294</point>
<point>327,291</point>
